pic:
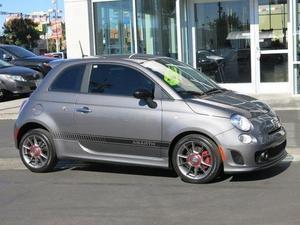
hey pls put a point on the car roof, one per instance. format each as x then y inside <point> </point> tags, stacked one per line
<point>136,58</point>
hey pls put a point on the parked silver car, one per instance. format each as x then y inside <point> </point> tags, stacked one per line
<point>146,110</point>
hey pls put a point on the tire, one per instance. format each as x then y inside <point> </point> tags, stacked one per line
<point>37,151</point>
<point>196,159</point>
<point>2,94</point>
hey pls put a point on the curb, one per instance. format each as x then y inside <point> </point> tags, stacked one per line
<point>8,116</point>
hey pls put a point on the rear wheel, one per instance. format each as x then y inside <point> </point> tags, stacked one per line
<point>196,159</point>
<point>37,151</point>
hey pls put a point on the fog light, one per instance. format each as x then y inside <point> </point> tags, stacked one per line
<point>237,157</point>
<point>247,139</point>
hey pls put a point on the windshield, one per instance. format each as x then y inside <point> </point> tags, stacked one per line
<point>4,64</point>
<point>19,52</point>
<point>182,78</point>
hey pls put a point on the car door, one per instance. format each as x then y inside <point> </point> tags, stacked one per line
<point>110,120</point>
<point>59,101</point>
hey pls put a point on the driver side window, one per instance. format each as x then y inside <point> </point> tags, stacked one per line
<point>117,80</point>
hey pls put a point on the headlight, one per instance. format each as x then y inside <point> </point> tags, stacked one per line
<point>12,77</point>
<point>241,122</point>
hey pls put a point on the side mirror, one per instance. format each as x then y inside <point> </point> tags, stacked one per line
<point>7,58</point>
<point>145,95</point>
<point>142,94</point>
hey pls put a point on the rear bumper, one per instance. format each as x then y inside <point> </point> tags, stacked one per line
<point>241,157</point>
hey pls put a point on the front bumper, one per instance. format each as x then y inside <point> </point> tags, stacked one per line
<point>19,87</point>
<point>239,157</point>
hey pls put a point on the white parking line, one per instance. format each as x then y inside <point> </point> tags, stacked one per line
<point>11,164</point>
<point>286,108</point>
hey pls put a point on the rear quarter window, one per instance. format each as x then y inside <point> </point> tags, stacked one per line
<point>69,80</point>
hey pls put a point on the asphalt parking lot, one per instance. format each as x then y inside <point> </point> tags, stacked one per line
<point>89,193</point>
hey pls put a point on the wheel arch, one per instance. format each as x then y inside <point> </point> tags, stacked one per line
<point>27,127</point>
<point>181,135</point>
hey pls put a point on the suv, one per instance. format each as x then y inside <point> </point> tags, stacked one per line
<point>146,110</point>
<point>21,57</point>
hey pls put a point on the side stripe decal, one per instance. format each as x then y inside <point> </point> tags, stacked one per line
<point>113,140</point>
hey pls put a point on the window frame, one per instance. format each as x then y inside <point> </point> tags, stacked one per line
<point>62,71</point>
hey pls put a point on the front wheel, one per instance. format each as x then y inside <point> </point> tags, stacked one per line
<point>37,151</point>
<point>196,159</point>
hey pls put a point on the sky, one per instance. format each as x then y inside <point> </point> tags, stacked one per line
<point>26,6</point>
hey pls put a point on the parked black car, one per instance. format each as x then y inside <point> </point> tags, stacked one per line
<point>17,79</point>
<point>21,57</point>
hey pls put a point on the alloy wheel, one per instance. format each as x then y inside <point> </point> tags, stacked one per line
<point>194,159</point>
<point>35,151</point>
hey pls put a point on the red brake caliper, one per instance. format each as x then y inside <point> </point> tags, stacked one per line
<point>206,158</point>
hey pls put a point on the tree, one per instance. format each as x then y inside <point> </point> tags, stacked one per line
<point>22,32</point>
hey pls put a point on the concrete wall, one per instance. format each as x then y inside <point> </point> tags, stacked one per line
<point>78,18</point>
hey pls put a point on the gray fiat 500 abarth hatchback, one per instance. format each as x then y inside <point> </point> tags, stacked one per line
<point>146,110</point>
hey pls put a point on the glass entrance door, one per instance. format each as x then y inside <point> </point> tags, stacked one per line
<point>221,40</point>
<point>272,46</point>
<point>113,27</point>
<point>243,45</point>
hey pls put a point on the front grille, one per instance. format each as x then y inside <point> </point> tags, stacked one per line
<point>276,150</point>
<point>32,77</point>
<point>274,131</point>
<point>271,152</point>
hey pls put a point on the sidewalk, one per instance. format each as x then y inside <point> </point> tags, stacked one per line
<point>9,109</point>
<point>281,101</point>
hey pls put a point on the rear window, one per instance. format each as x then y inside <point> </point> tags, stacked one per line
<point>69,80</point>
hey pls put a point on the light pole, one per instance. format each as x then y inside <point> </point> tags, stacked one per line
<point>56,11</point>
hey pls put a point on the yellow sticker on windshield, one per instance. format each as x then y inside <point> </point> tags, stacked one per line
<point>172,76</point>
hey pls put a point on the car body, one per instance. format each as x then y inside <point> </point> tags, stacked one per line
<point>56,62</point>
<point>146,110</point>
<point>17,79</point>
<point>22,57</point>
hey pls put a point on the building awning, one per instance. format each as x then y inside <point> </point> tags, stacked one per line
<point>237,35</point>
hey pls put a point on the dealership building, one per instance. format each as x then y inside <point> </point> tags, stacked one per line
<point>250,46</point>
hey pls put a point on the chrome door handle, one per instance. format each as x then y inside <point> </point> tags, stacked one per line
<point>84,110</point>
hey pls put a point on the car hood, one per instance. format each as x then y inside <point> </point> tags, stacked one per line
<point>227,103</point>
<point>41,59</point>
<point>17,70</point>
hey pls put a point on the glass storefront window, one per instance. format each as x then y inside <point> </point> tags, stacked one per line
<point>156,27</point>
<point>223,40</point>
<point>274,67</point>
<point>113,27</point>
<point>273,18</point>
<point>297,31</point>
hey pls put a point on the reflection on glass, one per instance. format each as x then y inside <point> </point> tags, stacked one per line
<point>297,67</point>
<point>156,27</point>
<point>273,18</point>
<point>113,27</point>
<point>223,40</point>
<point>298,30</point>
<point>274,68</point>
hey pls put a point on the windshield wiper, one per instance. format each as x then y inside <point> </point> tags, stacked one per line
<point>214,90</point>
<point>191,93</point>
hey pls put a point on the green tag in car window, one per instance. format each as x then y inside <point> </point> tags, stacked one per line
<point>172,76</point>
